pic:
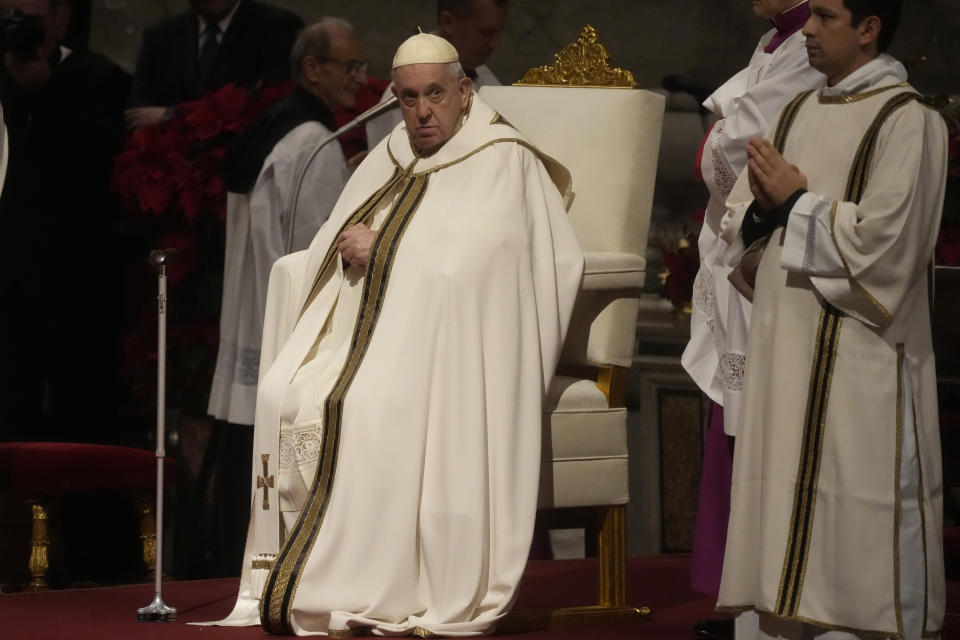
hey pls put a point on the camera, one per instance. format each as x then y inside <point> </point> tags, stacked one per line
<point>20,34</point>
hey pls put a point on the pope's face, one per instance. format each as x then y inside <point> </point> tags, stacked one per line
<point>833,43</point>
<point>769,9</point>
<point>477,36</point>
<point>432,101</point>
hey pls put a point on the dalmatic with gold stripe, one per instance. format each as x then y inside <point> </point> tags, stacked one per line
<point>398,421</point>
<point>836,514</point>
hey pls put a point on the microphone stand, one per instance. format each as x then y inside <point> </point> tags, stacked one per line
<point>158,611</point>
<point>362,119</point>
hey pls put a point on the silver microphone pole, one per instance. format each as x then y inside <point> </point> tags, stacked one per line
<point>157,611</point>
<point>363,118</point>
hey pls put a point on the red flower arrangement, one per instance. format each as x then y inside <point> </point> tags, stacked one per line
<point>168,177</point>
<point>681,260</point>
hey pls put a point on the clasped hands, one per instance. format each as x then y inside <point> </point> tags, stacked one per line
<point>355,244</point>
<point>772,179</point>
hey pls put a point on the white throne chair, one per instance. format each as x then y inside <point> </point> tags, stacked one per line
<point>606,132</point>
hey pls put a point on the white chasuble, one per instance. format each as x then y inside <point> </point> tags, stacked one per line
<point>836,514</point>
<point>258,233</point>
<point>746,105</point>
<point>426,410</point>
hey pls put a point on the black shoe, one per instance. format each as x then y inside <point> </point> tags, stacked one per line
<point>714,629</point>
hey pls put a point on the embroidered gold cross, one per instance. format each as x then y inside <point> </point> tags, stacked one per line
<point>265,482</point>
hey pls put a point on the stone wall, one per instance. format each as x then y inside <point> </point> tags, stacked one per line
<point>707,40</point>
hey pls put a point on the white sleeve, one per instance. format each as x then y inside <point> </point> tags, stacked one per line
<point>750,115</point>
<point>322,184</point>
<point>887,239</point>
<point>808,244</point>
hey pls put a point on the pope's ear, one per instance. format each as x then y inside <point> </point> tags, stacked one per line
<point>465,86</point>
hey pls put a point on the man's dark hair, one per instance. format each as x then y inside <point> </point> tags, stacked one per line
<point>887,10</point>
<point>462,8</point>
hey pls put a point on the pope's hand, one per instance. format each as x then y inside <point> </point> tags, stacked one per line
<point>772,179</point>
<point>355,244</point>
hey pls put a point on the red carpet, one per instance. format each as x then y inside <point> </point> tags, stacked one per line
<point>87,614</point>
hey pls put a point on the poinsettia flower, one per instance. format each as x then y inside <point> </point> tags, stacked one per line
<point>230,105</point>
<point>204,122</point>
<point>171,173</point>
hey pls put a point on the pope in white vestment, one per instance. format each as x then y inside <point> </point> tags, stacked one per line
<point>397,437</point>
<point>836,514</point>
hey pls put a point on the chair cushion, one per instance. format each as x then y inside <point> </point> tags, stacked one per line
<point>605,270</point>
<point>54,468</point>
<point>582,438</point>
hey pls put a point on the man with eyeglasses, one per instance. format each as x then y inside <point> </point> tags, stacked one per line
<point>261,173</point>
<point>475,29</point>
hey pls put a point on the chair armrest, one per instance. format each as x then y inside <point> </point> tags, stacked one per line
<point>284,297</point>
<point>606,271</point>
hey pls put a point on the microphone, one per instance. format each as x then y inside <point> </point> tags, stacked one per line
<point>363,118</point>
<point>368,115</point>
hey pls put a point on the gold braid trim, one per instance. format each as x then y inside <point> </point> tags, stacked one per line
<point>896,493</point>
<point>857,97</point>
<point>787,117</point>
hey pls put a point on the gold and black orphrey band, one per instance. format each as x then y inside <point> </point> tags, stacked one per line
<point>798,544</point>
<point>281,585</point>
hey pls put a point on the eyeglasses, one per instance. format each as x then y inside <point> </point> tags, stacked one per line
<point>349,67</point>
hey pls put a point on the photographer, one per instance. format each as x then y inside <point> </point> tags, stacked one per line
<point>64,112</point>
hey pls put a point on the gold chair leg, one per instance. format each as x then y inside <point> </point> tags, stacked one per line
<point>612,608</point>
<point>148,534</point>
<point>39,562</point>
<point>612,557</point>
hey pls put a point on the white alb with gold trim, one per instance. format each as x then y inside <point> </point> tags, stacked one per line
<point>836,515</point>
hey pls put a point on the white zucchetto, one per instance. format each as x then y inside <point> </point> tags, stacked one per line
<point>425,48</point>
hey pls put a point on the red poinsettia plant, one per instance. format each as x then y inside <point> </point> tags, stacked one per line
<point>168,178</point>
<point>681,260</point>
